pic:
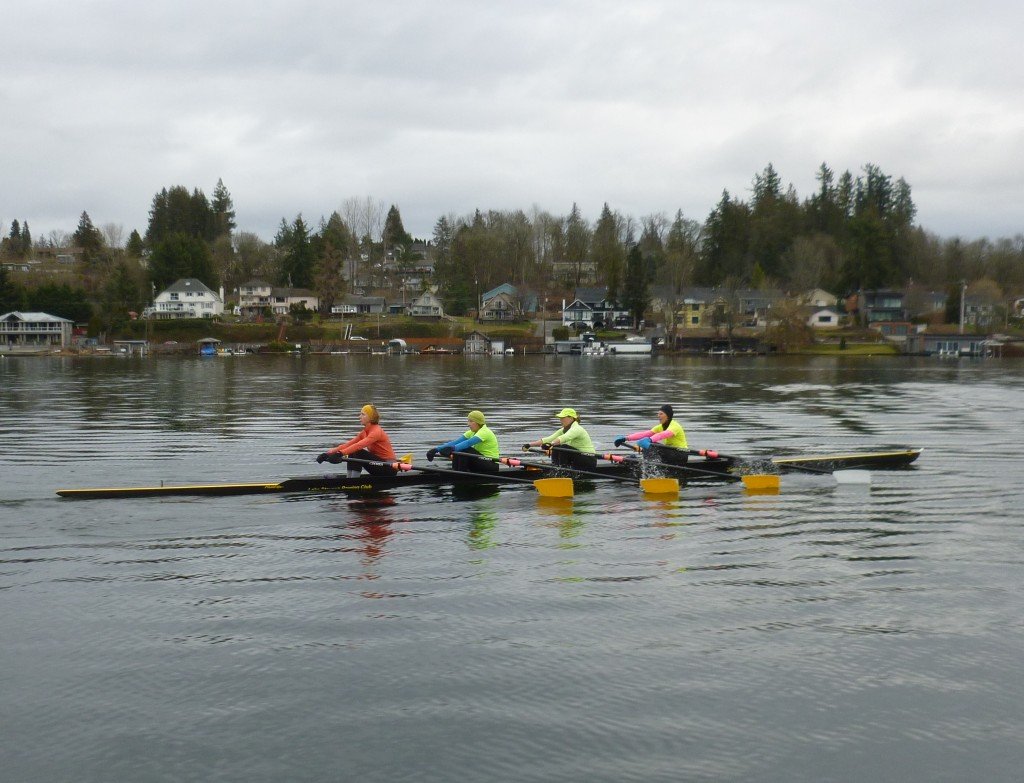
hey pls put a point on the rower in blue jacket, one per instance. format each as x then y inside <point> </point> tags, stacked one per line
<point>475,452</point>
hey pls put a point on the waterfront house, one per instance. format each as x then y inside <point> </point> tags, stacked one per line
<point>980,309</point>
<point>478,343</point>
<point>426,305</point>
<point>186,298</point>
<point>503,303</point>
<point>257,298</point>
<point>949,344</point>
<point>882,305</point>
<point>353,304</point>
<point>33,331</point>
<point>591,309</point>
<point>823,317</point>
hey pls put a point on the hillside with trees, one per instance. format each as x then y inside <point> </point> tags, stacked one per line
<point>851,233</point>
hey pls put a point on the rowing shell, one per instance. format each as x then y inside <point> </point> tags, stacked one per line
<point>881,460</point>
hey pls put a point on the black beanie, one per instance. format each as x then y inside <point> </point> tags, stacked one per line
<point>667,410</point>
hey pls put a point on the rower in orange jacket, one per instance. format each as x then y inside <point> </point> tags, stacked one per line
<point>372,443</point>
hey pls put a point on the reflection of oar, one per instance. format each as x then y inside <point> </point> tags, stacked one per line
<point>755,481</point>
<point>653,486</point>
<point>547,487</point>
<point>847,476</point>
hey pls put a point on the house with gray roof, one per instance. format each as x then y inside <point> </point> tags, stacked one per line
<point>186,298</point>
<point>33,331</point>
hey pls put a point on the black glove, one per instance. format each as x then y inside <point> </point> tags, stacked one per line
<point>431,454</point>
<point>446,452</point>
<point>526,447</point>
<point>321,457</point>
<point>546,446</point>
<point>620,440</point>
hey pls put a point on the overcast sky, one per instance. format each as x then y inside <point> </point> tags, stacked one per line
<point>444,107</point>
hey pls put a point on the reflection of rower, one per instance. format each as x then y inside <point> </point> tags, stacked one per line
<point>369,526</point>
<point>665,441</point>
<point>570,445</point>
<point>372,444</point>
<point>478,441</point>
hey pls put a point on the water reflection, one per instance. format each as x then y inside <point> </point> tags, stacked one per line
<point>481,529</point>
<point>370,527</point>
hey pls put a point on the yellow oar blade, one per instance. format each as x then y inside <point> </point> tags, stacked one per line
<point>660,486</point>
<point>554,487</point>
<point>761,483</point>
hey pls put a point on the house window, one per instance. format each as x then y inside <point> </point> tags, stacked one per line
<point>695,320</point>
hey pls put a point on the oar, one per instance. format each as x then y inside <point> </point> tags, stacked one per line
<point>755,481</point>
<point>549,487</point>
<point>844,476</point>
<point>653,486</point>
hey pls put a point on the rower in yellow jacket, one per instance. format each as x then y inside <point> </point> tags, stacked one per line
<point>476,451</point>
<point>665,441</point>
<point>569,445</point>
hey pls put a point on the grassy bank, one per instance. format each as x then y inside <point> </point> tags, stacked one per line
<point>850,349</point>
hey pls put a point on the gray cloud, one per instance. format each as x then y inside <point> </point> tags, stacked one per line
<point>649,106</point>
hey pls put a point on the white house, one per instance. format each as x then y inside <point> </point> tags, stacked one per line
<point>33,330</point>
<point>425,305</point>
<point>256,297</point>
<point>592,309</point>
<point>823,318</point>
<point>186,298</point>
<point>353,304</point>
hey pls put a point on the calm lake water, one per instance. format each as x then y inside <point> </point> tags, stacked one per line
<point>827,633</point>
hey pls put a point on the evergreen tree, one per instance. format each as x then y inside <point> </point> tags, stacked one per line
<point>297,257</point>
<point>135,247</point>
<point>223,211</point>
<point>26,240</point>
<point>607,252</point>
<point>62,300</point>
<point>577,242</point>
<point>775,220</point>
<point>444,238</point>
<point>726,236</point>
<point>328,280</point>
<point>339,233</point>
<point>121,294</point>
<point>176,211</point>
<point>394,233</point>
<point>179,256</point>
<point>12,296</point>
<point>635,295</point>
<point>90,240</point>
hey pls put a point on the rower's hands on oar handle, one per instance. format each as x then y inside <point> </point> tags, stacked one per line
<point>333,457</point>
<point>644,443</point>
<point>431,454</point>
<point>526,447</point>
<point>621,440</point>
<point>446,451</point>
